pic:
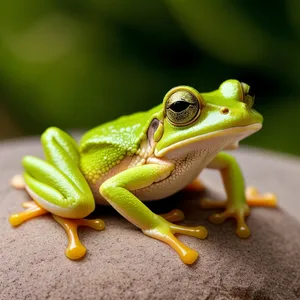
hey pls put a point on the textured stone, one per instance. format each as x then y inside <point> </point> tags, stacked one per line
<point>122,263</point>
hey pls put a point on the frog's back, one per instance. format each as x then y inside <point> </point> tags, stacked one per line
<point>105,146</point>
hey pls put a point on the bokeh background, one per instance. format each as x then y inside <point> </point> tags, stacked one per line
<point>76,64</point>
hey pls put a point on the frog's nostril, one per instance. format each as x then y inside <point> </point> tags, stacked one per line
<point>224,110</point>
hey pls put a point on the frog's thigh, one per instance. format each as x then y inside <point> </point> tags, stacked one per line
<point>57,184</point>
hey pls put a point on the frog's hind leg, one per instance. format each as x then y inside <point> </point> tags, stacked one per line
<point>254,198</point>
<point>57,184</point>
<point>18,182</point>
<point>75,249</point>
<point>32,211</point>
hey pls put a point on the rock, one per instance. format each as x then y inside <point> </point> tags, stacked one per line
<point>122,263</point>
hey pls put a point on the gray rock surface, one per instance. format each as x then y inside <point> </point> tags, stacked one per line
<point>122,263</point>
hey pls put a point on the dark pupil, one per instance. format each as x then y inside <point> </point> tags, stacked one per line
<point>179,106</point>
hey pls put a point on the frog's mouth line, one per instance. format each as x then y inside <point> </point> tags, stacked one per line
<point>241,131</point>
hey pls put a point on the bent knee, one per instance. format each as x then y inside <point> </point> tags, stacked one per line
<point>82,208</point>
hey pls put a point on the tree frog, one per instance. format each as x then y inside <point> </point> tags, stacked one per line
<point>147,156</point>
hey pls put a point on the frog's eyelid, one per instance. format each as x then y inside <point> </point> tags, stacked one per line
<point>182,99</point>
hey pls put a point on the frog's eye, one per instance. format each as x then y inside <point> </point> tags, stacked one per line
<point>182,108</point>
<point>248,94</point>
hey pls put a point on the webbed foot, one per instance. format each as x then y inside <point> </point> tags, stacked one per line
<point>33,210</point>
<point>18,182</point>
<point>239,211</point>
<point>166,231</point>
<point>76,249</point>
<point>254,198</point>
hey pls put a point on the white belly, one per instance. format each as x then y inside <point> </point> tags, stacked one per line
<point>186,170</point>
<point>189,162</point>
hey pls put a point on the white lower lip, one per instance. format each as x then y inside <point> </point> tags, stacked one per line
<point>225,132</point>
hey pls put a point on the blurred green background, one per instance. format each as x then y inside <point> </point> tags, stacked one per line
<point>75,64</point>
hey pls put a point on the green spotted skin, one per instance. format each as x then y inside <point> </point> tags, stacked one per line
<point>105,146</point>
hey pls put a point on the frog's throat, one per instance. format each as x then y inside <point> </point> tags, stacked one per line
<point>240,132</point>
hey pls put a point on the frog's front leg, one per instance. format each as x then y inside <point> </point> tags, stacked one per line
<point>118,192</point>
<point>57,186</point>
<point>236,205</point>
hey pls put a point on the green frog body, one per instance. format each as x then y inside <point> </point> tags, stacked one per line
<point>146,156</point>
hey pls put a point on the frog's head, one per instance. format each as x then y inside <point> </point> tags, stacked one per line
<point>215,120</point>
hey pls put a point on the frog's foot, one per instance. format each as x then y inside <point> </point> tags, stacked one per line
<point>238,212</point>
<point>175,215</point>
<point>166,231</point>
<point>195,186</point>
<point>76,249</point>
<point>254,198</point>
<point>33,210</point>
<point>18,182</point>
